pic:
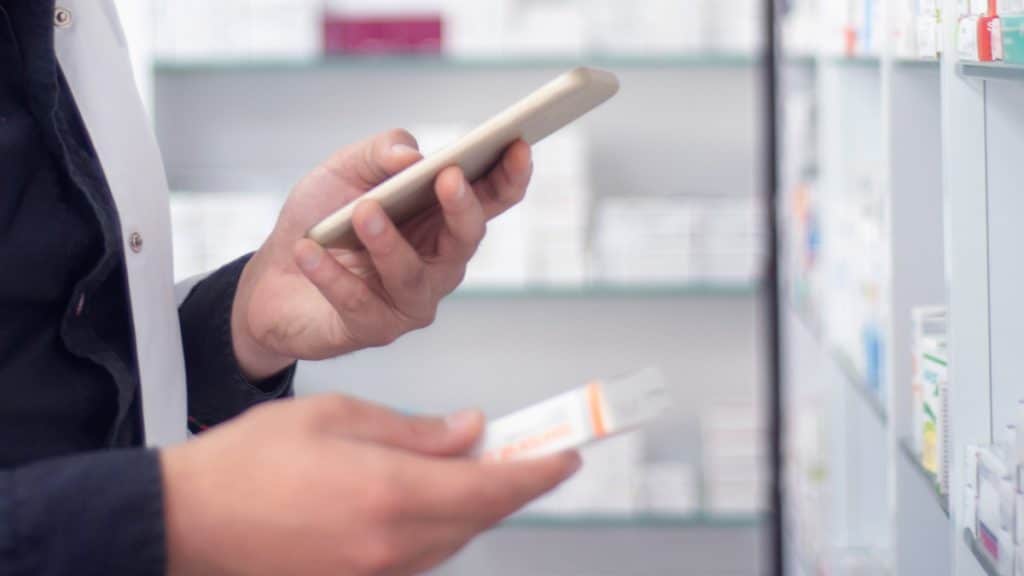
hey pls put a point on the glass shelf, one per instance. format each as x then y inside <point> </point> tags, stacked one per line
<point>859,383</point>
<point>694,289</point>
<point>866,61</point>
<point>341,62</point>
<point>808,60</point>
<point>992,70</point>
<point>649,521</point>
<point>915,463</point>
<point>983,561</point>
<point>917,62</point>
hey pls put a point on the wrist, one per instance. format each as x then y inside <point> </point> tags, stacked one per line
<point>181,558</point>
<point>255,360</point>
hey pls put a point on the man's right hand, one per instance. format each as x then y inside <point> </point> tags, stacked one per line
<point>332,485</point>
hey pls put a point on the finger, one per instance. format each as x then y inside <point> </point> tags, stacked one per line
<point>376,159</point>
<point>484,493</point>
<point>368,422</point>
<point>506,183</point>
<point>464,219</point>
<point>402,272</point>
<point>363,311</point>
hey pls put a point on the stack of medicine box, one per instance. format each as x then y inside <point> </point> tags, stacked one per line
<point>993,504</point>
<point>211,229</point>
<point>606,485</point>
<point>734,459</point>
<point>991,31</point>
<point>993,501</point>
<point>930,393</point>
<point>677,239</point>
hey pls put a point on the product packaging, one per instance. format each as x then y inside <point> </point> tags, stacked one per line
<point>967,39</point>
<point>576,418</point>
<point>1013,38</point>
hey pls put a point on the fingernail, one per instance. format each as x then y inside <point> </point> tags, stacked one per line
<point>403,150</point>
<point>309,256</point>
<point>462,193</point>
<point>374,224</point>
<point>461,421</point>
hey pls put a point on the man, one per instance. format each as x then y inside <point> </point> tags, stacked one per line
<point>95,353</point>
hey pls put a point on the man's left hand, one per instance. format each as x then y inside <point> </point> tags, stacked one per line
<point>296,300</point>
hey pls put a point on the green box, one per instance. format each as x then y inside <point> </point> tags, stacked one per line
<point>1013,38</point>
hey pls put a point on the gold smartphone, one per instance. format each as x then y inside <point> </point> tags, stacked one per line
<point>540,114</point>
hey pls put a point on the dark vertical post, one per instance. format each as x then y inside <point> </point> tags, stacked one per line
<point>770,111</point>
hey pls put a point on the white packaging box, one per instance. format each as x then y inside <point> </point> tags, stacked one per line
<point>384,7</point>
<point>1018,562</point>
<point>669,488</point>
<point>196,30</point>
<point>211,229</point>
<point>552,27</point>
<point>734,498</point>
<point>514,27</point>
<point>734,25</point>
<point>284,29</point>
<point>187,235</point>
<point>928,29</point>
<point>643,240</point>
<point>1009,7</point>
<point>662,27</point>
<point>473,28</point>
<point>967,39</point>
<point>903,15</point>
<point>556,210</point>
<point>501,259</point>
<point>605,485</point>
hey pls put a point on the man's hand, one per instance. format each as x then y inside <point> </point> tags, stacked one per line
<point>329,485</point>
<point>297,301</point>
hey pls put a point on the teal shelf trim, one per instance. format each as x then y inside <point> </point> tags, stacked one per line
<point>646,521</point>
<point>343,62</point>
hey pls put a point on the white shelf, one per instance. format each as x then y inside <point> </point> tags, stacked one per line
<point>992,71</point>
<point>946,139</point>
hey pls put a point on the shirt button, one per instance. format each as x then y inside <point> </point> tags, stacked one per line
<point>80,306</point>
<point>135,242</point>
<point>61,17</point>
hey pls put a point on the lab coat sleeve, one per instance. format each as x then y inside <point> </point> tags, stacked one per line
<point>217,389</point>
<point>94,513</point>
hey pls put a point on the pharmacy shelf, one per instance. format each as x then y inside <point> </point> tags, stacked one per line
<point>642,521</point>
<point>342,62</point>
<point>927,477</point>
<point>917,62</point>
<point>853,377</point>
<point>682,290</point>
<point>868,61</point>
<point>859,384</point>
<point>983,562</point>
<point>991,71</point>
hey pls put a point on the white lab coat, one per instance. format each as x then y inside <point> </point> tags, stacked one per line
<point>92,51</point>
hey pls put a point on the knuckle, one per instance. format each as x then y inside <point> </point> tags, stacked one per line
<point>385,338</point>
<point>415,278</point>
<point>383,503</point>
<point>381,554</point>
<point>478,232</point>
<point>359,300</point>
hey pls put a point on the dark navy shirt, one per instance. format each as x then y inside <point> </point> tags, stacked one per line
<point>78,492</point>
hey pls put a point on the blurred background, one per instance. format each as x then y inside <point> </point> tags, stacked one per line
<point>640,243</point>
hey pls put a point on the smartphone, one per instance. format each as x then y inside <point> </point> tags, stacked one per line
<point>411,191</point>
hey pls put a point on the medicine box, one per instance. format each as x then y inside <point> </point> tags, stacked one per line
<point>1013,38</point>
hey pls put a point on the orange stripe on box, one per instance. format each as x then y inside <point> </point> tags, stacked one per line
<point>596,406</point>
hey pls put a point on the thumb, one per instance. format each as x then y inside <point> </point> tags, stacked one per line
<point>427,435</point>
